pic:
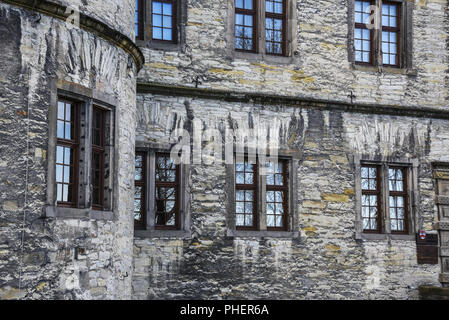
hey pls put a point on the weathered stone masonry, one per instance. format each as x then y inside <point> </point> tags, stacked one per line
<point>83,254</point>
<point>47,257</point>
<point>307,95</point>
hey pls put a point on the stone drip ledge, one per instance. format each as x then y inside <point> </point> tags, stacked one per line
<point>87,23</point>
<point>433,293</point>
<point>295,101</point>
<point>79,214</point>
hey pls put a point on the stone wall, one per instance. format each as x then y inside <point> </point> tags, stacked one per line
<point>320,70</point>
<point>42,257</point>
<point>326,261</point>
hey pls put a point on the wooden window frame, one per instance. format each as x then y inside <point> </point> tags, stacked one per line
<point>363,26</point>
<point>404,42</point>
<point>283,17</point>
<point>405,195</point>
<point>249,187</point>
<point>140,20</point>
<point>396,29</point>
<point>99,150</point>
<point>284,188</point>
<point>378,194</point>
<point>164,184</point>
<point>254,14</point>
<point>174,16</point>
<point>74,145</point>
<point>141,224</point>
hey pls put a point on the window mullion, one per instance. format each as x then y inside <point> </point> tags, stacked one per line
<point>151,191</point>
<point>386,199</point>
<point>262,199</point>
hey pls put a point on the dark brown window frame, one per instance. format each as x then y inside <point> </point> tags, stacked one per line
<point>176,186</point>
<point>284,188</point>
<point>404,194</point>
<point>396,29</point>
<point>404,55</point>
<point>250,187</point>
<point>141,224</point>
<point>283,17</point>
<point>174,17</point>
<point>74,145</point>
<point>252,13</point>
<point>99,150</point>
<point>140,20</point>
<point>378,193</point>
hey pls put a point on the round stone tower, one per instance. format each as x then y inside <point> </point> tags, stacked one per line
<point>67,73</point>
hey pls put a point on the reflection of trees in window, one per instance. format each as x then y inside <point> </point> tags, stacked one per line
<point>98,152</point>
<point>397,185</point>
<point>67,149</point>
<point>245,195</point>
<point>277,195</point>
<point>275,26</point>
<point>245,30</point>
<point>167,193</point>
<point>139,191</point>
<point>371,214</point>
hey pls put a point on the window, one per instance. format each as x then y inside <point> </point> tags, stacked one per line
<point>277,195</point>
<point>160,200</point>
<point>139,191</point>
<point>381,33</point>
<point>398,199</point>
<point>275,27</point>
<point>163,20</point>
<point>385,198</point>
<point>390,34</point>
<point>83,157</point>
<point>98,152</point>
<point>362,35</point>
<point>167,192</point>
<point>67,150</point>
<point>246,195</point>
<point>262,27</point>
<point>162,24</point>
<point>245,25</point>
<point>262,196</point>
<point>138,19</point>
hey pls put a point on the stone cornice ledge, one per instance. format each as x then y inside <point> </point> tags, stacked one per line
<point>87,23</point>
<point>303,102</point>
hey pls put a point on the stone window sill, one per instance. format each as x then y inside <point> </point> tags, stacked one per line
<point>169,46</point>
<point>259,57</point>
<point>263,234</point>
<point>384,236</point>
<point>80,214</point>
<point>169,234</point>
<point>381,69</point>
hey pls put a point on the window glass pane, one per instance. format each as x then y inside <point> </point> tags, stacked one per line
<point>239,4</point>
<point>157,20</point>
<point>157,33</point>
<point>240,195</point>
<point>157,7</point>
<point>167,9</point>
<point>249,4</point>
<point>240,220</point>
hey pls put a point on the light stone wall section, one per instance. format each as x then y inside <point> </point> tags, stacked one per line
<point>326,261</point>
<point>117,14</point>
<point>321,69</point>
<point>61,258</point>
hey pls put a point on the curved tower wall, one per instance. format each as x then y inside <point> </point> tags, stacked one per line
<point>71,254</point>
